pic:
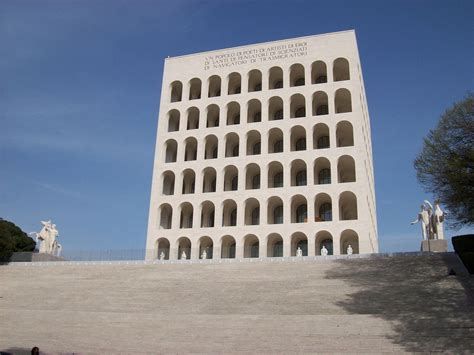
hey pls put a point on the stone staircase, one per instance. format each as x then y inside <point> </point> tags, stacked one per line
<point>373,304</point>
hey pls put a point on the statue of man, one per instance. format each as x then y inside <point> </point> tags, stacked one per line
<point>437,217</point>
<point>324,251</point>
<point>183,255</point>
<point>424,218</point>
<point>204,254</point>
<point>349,250</point>
<point>299,252</point>
<point>162,255</point>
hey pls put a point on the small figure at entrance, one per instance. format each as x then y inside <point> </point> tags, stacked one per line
<point>183,255</point>
<point>349,250</point>
<point>324,251</point>
<point>299,252</point>
<point>204,254</point>
<point>162,255</point>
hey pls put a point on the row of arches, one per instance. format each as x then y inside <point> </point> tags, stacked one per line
<point>276,211</point>
<point>275,177</point>
<point>275,76</point>
<point>253,146</point>
<point>275,105</point>
<point>252,246</point>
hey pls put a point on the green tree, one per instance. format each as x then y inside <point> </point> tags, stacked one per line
<point>13,239</point>
<point>445,165</point>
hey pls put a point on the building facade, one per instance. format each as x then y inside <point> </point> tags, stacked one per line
<point>264,151</point>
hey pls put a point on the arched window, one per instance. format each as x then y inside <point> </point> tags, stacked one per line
<point>251,246</point>
<point>214,86</point>
<point>341,69</point>
<point>297,75</point>
<point>176,91</point>
<point>227,247</point>
<point>190,152</point>
<point>234,84</point>
<point>298,138</point>
<point>233,113</point>
<point>171,151</point>
<point>347,206</point>
<point>254,111</point>
<point>207,214</point>
<point>323,208</point>
<point>229,213</point>
<point>195,89</point>
<point>275,78</point>
<point>346,169</point>
<point>299,210</point>
<point>212,116</point>
<point>209,180</point>
<point>184,248</point>
<point>320,103</point>
<point>173,121</point>
<point>297,106</point>
<point>322,171</point>
<point>163,246</point>
<point>299,241</point>
<point>253,143</point>
<point>168,183</point>
<point>274,246</point>
<point>255,80</point>
<point>206,245</point>
<point>230,178</point>
<point>342,101</point>
<point>186,218</point>
<point>275,174</point>
<point>193,118</point>
<point>344,134</point>
<point>275,140</point>
<point>298,173</point>
<point>252,179</point>
<point>349,238</point>
<point>252,212</point>
<point>275,109</point>
<point>232,145</point>
<point>189,178</point>
<point>319,72</point>
<point>321,136</point>
<point>275,210</point>
<point>324,239</point>
<point>210,147</point>
<point>166,216</point>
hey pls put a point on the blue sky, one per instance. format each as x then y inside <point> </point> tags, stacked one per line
<point>80,84</point>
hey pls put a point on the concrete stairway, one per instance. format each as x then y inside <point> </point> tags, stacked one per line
<point>398,303</point>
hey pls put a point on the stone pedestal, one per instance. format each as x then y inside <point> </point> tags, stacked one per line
<point>435,245</point>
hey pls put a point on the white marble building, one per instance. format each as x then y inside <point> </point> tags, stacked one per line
<point>264,149</point>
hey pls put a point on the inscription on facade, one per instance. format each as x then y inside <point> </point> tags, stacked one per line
<point>256,55</point>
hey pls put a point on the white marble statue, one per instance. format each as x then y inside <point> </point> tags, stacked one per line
<point>162,255</point>
<point>183,255</point>
<point>299,252</point>
<point>47,236</point>
<point>204,254</point>
<point>57,249</point>
<point>324,251</point>
<point>432,220</point>
<point>349,250</point>
<point>437,218</point>
<point>424,218</point>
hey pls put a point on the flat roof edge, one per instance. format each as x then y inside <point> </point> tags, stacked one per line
<point>260,43</point>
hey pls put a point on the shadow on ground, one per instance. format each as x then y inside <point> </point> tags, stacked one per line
<point>429,310</point>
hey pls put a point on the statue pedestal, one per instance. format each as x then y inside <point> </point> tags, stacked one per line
<point>435,245</point>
